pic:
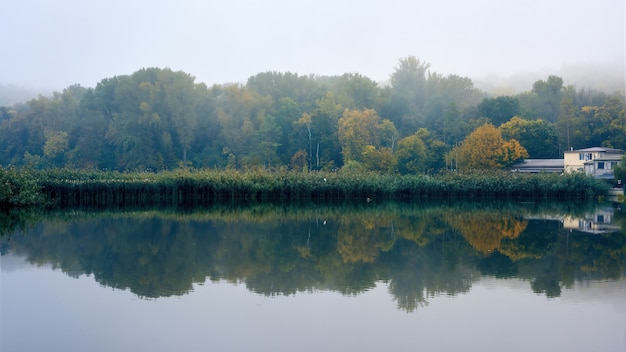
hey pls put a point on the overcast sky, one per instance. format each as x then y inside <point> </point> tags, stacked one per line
<point>54,44</point>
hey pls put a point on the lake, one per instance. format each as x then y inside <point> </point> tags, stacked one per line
<point>437,276</point>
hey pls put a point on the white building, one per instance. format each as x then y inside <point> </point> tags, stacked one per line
<point>597,161</point>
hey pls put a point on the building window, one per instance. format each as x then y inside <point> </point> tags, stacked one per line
<point>581,156</point>
<point>600,165</point>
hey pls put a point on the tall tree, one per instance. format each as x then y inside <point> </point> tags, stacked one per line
<point>572,129</point>
<point>453,125</point>
<point>357,91</point>
<point>303,90</point>
<point>409,80</point>
<point>538,137</point>
<point>500,109</point>
<point>411,155</point>
<point>180,96</point>
<point>610,122</point>
<point>267,140</point>
<point>240,112</point>
<point>358,129</point>
<point>57,144</point>
<point>208,151</point>
<point>436,149</point>
<point>409,92</point>
<point>549,93</point>
<point>378,159</point>
<point>324,126</point>
<point>287,113</point>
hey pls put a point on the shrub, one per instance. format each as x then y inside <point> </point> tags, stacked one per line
<point>18,188</point>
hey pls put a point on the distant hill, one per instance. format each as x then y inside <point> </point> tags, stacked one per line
<point>12,94</point>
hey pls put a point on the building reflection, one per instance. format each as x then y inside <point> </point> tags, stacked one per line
<point>599,221</point>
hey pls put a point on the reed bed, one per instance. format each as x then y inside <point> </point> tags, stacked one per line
<point>201,187</point>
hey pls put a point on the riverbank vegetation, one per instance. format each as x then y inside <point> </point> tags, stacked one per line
<point>181,187</point>
<point>288,137</point>
<point>19,188</point>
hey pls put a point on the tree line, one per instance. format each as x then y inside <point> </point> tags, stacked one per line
<point>421,122</point>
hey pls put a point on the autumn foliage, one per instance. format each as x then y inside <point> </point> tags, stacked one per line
<point>486,149</point>
<point>485,231</point>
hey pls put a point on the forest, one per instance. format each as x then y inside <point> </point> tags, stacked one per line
<point>421,122</point>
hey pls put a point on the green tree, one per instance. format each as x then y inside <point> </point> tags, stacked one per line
<point>20,135</point>
<point>571,126</point>
<point>411,155</point>
<point>303,90</point>
<point>90,148</point>
<point>609,127</point>
<point>538,137</point>
<point>356,91</point>
<point>453,125</point>
<point>549,93</point>
<point>136,127</point>
<point>500,109</point>
<point>267,140</point>
<point>453,89</point>
<point>409,93</point>
<point>435,150</point>
<point>56,146</point>
<point>378,159</point>
<point>180,95</point>
<point>286,114</point>
<point>409,80</point>
<point>324,127</point>
<point>239,112</point>
<point>207,150</point>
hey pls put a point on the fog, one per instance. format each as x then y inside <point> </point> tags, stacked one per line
<point>54,44</point>
<point>606,76</point>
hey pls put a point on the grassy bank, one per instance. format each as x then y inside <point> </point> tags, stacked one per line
<point>181,187</point>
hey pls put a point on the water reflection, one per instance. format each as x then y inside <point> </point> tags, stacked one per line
<point>419,250</point>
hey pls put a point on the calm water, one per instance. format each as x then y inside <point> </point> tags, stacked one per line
<point>368,277</point>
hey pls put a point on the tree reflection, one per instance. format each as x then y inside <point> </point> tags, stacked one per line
<point>485,229</point>
<point>418,250</point>
<point>17,219</point>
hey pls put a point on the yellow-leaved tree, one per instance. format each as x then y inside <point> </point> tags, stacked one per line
<point>367,139</point>
<point>358,129</point>
<point>486,149</point>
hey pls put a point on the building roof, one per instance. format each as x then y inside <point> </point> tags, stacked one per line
<point>596,150</point>
<point>539,165</point>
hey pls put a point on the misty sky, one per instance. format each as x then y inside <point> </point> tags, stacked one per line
<point>54,44</point>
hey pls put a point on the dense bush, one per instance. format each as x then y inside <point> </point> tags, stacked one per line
<point>18,188</point>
